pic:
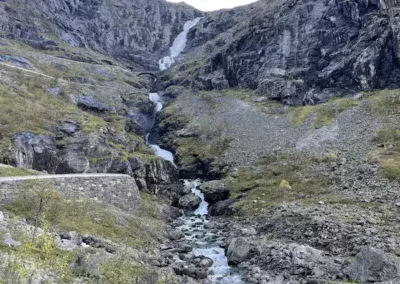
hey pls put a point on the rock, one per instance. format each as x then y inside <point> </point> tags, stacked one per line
<point>189,201</point>
<point>139,44</point>
<point>238,251</point>
<point>90,103</point>
<point>98,243</point>
<point>214,191</point>
<point>54,91</point>
<point>72,236</point>
<point>260,53</point>
<point>202,261</point>
<point>34,152</point>
<point>131,125</point>
<point>373,265</point>
<point>222,208</point>
<point>15,61</point>
<point>170,213</point>
<point>183,268</point>
<point>175,235</point>
<point>184,248</point>
<point>69,127</point>
<point>9,241</point>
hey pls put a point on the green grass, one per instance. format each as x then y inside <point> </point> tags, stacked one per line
<point>384,102</point>
<point>12,172</point>
<point>387,156</point>
<point>247,95</point>
<point>89,217</point>
<point>121,271</point>
<point>276,180</point>
<point>324,113</point>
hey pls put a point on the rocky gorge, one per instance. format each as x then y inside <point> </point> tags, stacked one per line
<point>264,141</point>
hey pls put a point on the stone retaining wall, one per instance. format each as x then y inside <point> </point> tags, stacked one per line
<point>115,189</point>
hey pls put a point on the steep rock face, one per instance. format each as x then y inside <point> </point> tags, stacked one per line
<point>300,52</point>
<point>90,154</point>
<point>137,31</point>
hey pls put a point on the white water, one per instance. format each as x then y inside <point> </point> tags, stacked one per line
<point>178,46</point>
<point>204,244</point>
<point>220,271</point>
<point>167,155</point>
<point>155,98</point>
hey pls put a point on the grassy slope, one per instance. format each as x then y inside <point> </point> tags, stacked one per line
<point>26,105</point>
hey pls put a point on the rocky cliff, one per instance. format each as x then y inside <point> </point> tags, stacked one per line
<point>298,52</point>
<point>137,31</point>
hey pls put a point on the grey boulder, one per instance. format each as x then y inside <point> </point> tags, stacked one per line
<point>214,191</point>
<point>189,201</point>
<point>238,251</point>
<point>89,103</point>
<point>222,208</point>
<point>373,265</point>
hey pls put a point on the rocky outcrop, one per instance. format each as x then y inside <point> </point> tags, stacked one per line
<point>299,52</point>
<point>137,31</point>
<point>214,191</point>
<point>222,208</point>
<point>189,201</point>
<point>374,265</point>
<point>34,152</point>
<point>83,153</point>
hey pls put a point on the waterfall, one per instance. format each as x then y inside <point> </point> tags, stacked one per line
<point>178,46</point>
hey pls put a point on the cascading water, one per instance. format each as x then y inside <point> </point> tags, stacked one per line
<point>155,98</point>
<point>178,46</point>
<point>206,244</point>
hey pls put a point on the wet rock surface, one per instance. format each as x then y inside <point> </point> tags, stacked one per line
<point>196,246</point>
<point>214,191</point>
<point>189,201</point>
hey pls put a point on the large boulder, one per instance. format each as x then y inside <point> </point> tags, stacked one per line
<point>32,151</point>
<point>373,265</point>
<point>189,269</point>
<point>189,201</point>
<point>222,208</point>
<point>238,251</point>
<point>214,191</point>
<point>90,103</point>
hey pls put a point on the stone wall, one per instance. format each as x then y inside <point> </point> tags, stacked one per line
<point>115,189</point>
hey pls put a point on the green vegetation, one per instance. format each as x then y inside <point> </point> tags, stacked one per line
<point>167,77</point>
<point>209,99</point>
<point>387,156</point>
<point>261,103</point>
<point>32,109</point>
<point>12,172</point>
<point>43,207</point>
<point>85,216</point>
<point>384,102</point>
<point>122,271</point>
<point>324,113</point>
<point>189,150</point>
<point>277,179</point>
<point>21,265</point>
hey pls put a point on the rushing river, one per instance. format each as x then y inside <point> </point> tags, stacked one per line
<point>204,242</point>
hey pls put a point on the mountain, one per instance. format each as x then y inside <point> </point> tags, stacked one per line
<point>264,142</point>
<point>298,52</point>
<point>136,32</point>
